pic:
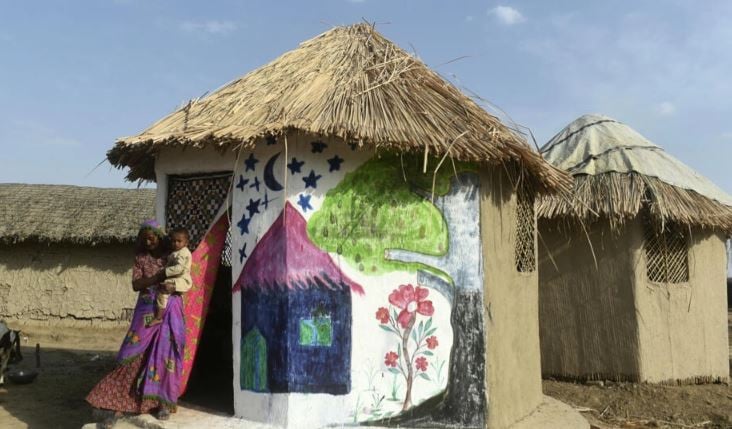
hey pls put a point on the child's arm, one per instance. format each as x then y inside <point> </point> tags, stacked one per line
<point>184,282</point>
<point>178,266</point>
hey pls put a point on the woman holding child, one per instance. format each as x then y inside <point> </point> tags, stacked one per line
<point>149,363</point>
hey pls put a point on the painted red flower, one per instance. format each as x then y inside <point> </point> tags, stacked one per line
<point>382,314</point>
<point>432,342</point>
<point>421,363</point>
<point>391,359</point>
<point>411,301</point>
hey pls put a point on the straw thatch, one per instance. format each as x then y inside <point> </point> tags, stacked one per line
<point>349,82</point>
<point>621,195</point>
<point>72,214</point>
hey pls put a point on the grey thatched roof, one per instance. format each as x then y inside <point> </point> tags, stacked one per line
<point>351,83</point>
<point>617,172</point>
<point>60,213</point>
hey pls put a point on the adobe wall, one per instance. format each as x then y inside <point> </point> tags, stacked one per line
<point>66,285</point>
<point>587,318</point>
<point>511,309</point>
<point>683,327</point>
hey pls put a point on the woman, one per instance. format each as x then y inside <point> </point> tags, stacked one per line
<point>149,362</point>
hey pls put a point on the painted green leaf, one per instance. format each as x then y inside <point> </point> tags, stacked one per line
<point>377,210</point>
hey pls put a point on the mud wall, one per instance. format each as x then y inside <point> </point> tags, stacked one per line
<point>66,285</point>
<point>511,309</point>
<point>683,327</point>
<point>587,318</point>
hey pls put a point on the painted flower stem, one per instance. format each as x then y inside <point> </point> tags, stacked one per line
<point>408,362</point>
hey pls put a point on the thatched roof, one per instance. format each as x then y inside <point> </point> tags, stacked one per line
<point>617,173</point>
<point>59,213</point>
<point>351,83</point>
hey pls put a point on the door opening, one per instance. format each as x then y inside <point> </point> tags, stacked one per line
<point>211,383</point>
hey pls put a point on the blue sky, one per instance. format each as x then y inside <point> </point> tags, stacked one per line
<point>75,75</point>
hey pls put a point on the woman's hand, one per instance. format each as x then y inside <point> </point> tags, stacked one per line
<point>167,288</point>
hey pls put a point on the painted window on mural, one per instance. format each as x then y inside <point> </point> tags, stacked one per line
<point>525,232</point>
<point>254,362</point>
<point>316,332</point>
<point>667,258</point>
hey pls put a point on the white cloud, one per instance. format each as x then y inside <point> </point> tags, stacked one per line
<point>210,26</point>
<point>666,108</point>
<point>507,15</point>
<point>469,18</point>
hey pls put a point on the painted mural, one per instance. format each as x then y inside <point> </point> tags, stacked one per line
<point>358,288</point>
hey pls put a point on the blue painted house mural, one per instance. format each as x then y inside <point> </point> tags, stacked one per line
<point>296,314</point>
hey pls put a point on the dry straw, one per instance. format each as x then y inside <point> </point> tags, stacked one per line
<point>72,214</point>
<point>620,197</point>
<point>350,83</point>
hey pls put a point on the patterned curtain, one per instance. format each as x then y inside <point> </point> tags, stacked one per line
<point>192,203</point>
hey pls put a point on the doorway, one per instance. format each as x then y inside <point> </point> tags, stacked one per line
<point>210,385</point>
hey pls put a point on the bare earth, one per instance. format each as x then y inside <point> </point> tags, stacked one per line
<point>72,363</point>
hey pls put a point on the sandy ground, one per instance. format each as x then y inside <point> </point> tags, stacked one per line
<point>71,364</point>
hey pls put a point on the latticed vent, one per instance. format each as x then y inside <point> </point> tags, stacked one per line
<point>194,201</point>
<point>525,232</point>
<point>667,258</point>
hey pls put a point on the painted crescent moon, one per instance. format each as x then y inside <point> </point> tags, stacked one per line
<point>269,178</point>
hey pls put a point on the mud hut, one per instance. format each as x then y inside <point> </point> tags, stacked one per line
<point>411,191</point>
<point>66,252</point>
<point>633,264</point>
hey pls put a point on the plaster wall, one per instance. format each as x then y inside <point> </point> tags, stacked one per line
<point>683,327</point>
<point>511,309</point>
<point>64,284</point>
<point>587,317</point>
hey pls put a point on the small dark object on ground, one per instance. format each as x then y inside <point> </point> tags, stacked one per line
<point>22,376</point>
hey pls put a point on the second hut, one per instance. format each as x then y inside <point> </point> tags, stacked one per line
<point>633,264</point>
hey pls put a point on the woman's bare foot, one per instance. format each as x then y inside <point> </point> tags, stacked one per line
<point>162,414</point>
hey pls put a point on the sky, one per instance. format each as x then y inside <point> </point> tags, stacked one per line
<point>76,75</point>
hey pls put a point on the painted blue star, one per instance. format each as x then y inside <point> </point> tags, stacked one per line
<point>250,162</point>
<point>311,181</point>
<point>244,224</point>
<point>242,253</point>
<point>242,182</point>
<point>295,165</point>
<point>253,207</point>
<point>271,140</point>
<point>335,163</point>
<point>255,183</point>
<point>304,202</point>
<point>318,146</point>
<point>353,145</point>
<point>266,200</point>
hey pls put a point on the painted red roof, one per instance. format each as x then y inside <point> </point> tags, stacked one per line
<point>286,257</point>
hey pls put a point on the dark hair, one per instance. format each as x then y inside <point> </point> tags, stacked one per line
<point>182,231</point>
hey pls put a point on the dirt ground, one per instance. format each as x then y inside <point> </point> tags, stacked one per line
<point>56,398</point>
<point>71,363</point>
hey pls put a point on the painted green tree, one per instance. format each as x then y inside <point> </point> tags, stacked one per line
<point>376,208</point>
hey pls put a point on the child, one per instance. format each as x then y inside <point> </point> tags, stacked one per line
<point>177,271</point>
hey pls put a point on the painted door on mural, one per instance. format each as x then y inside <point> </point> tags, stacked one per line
<point>373,273</point>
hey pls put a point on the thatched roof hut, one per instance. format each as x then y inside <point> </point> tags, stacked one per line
<point>66,254</point>
<point>632,270</point>
<point>351,83</point>
<point>72,214</point>
<point>617,172</point>
<point>307,133</point>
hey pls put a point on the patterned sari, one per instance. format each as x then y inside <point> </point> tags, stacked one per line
<point>150,361</point>
<point>154,363</point>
